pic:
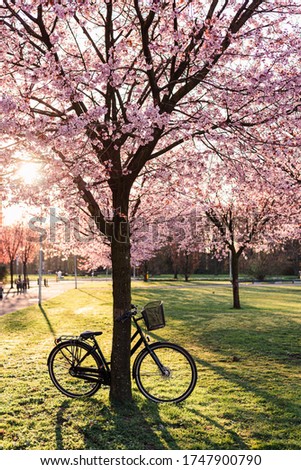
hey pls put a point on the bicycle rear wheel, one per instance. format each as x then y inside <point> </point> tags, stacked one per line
<point>166,374</point>
<point>75,369</point>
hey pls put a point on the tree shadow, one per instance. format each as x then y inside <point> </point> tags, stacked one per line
<point>236,441</point>
<point>60,420</point>
<point>136,426</point>
<point>115,426</point>
<point>6,294</point>
<point>47,321</point>
<point>280,403</point>
<point>91,295</point>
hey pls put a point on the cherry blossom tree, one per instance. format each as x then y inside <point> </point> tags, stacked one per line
<point>28,249</point>
<point>249,210</point>
<point>76,234</point>
<point>230,206</point>
<point>10,241</point>
<point>159,220</point>
<point>99,90</point>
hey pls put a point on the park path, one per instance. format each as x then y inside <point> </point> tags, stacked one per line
<point>13,301</point>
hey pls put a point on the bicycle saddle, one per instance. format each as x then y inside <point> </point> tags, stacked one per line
<point>89,334</point>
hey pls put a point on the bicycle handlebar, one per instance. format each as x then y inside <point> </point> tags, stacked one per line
<point>129,314</point>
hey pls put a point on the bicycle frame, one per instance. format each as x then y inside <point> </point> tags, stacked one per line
<point>141,340</point>
<point>138,332</point>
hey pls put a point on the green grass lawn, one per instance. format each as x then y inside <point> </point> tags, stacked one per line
<point>247,395</point>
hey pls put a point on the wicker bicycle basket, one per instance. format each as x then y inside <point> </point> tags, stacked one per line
<point>153,315</point>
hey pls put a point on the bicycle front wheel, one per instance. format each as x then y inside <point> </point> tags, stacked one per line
<point>167,373</point>
<point>75,369</point>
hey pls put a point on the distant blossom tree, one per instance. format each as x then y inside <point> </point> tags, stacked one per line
<point>227,207</point>
<point>248,211</point>
<point>27,250</point>
<point>11,240</point>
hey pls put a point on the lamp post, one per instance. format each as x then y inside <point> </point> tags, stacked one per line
<point>230,265</point>
<point>40,269</point>
<point>75,271</point>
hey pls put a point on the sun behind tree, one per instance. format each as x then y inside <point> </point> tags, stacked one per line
<point>29,172</point>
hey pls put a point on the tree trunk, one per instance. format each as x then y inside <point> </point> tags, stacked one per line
<point>11,267</point>
<point>235,283</point>
<point>24,270</point>
<point>120,390</point>
<point>186,267</point>
<point>145,271</point>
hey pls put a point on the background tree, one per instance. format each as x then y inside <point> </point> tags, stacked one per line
<point>11,240</point>
<point>27,250</point>
<point>249,211</point>
<point>249,207</point>
<point>105,88</point>
<point>3,272</point>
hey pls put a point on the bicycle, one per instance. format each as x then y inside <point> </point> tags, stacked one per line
<point>163,371</point>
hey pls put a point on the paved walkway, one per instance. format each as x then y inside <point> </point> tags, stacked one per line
<point>13,301</point>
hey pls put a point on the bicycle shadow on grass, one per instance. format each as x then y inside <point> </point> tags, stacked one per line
<point>113,427</point>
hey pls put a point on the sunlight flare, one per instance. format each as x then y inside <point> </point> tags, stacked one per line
<point>29,172</point>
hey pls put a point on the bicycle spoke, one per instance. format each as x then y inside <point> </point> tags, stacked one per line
<point>75,370</point>
<point>173,380</point>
